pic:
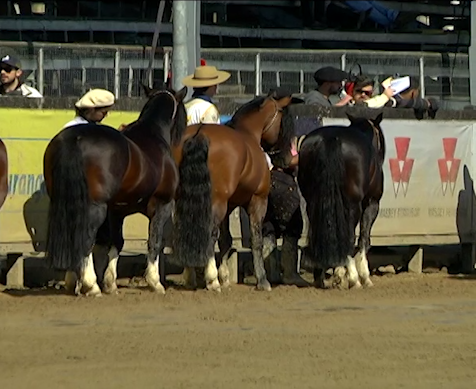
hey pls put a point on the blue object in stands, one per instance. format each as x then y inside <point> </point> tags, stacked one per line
<point>378,12</point>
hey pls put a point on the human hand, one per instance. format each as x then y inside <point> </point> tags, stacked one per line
<point>389,92</point>
<point>122,127</point>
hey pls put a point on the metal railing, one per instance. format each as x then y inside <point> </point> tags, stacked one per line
<point>71,69</point>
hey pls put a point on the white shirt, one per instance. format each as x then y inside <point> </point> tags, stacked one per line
<point>201,111</point>
<point>77,120</point>
<point>29,91</point>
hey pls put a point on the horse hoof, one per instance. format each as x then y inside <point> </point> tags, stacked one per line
<point>111,289</point>
<point>214,286</point>
<point>94,291</point>
<point>368,283</point>
<point>157,288</point>
<point>225,284</point>
<point>295,280</point>
<point>355,285</point>
<point>264,285</point>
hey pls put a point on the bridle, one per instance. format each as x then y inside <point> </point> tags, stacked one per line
<point>376,133</point>
<point>170,94</point>
<point>275,116</point>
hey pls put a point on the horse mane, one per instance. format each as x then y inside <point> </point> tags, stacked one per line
<point>155,114</point>
<point>247,108</point>
<point>286,134</point>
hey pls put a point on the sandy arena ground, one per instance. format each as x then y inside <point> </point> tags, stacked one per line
<point>409,331</point>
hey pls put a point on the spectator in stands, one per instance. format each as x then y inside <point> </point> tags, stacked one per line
<point>329,83</point>
<point>11,85</point>
<point>93,107</point>
<point>361,91</point>
<point>204,81</point>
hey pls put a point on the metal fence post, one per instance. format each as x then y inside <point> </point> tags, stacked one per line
<point>117,74</point>
<point>258,80</point>
<point>130,80</point>
<point>343,61</point>
<point>83,79</point>
<point>40,81</point>
<point>422,77</point>
<point>278,79</point>
<point>301,81</point>
<point>166,65</point>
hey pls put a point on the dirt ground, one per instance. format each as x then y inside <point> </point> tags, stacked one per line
<point>409,331</point>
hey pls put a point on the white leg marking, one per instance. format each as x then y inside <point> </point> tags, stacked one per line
<point>152,275</point>
<point>71,282</point>
<point>224,274</point>
<point>88,279</point>
<point>363,268</point>
<point>110,275</point>
<point>339,276</point>
<point>353,275</point>
<point>211,275</point>
<point>190,277</point>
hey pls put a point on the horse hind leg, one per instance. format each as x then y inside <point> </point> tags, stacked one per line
<point>368,218</point>
<point>87,283</point>
<point>225,243</point>
<point>211,271</point>
<point>110,274</point>
<point>155,243</point>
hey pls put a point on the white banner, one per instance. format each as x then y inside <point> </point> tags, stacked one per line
<point>426,166</point>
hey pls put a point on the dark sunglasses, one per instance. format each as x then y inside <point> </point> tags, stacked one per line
<point>366,92</point>
<point>7,68</point>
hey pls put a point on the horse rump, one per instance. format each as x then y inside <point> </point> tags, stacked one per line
<point>68,215</point>
<point>321,179</point>
<point>192,241</point>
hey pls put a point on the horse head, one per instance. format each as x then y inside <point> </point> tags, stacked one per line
<point>279,130</point>
<point>165,106</point>
<point>371,124</point>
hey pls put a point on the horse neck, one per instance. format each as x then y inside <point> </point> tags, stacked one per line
<point>147,131</point>
<point>252,125</point>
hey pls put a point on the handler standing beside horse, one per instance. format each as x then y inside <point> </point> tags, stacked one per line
<point>93,107</point>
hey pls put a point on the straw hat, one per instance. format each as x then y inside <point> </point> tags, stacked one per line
<point>206,76</point>
<point>96,98</point>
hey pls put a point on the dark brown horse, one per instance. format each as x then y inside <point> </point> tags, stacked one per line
<point>96,176</point>
<point>222,168</point>
<point>3,173</point>
<point>341,178</point>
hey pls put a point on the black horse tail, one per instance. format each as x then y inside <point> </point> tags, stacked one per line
<point>330,231</point>
<point>68,216</point>
<point>193,208</point>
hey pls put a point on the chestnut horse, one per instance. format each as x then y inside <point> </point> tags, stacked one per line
<point>3,173</point>
<point>341,178</point>
<point>220,169</point>
<point>96,176</point>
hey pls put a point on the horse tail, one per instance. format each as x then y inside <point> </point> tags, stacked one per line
<point>193,207</point>
<point>330,230</point>
<point>68,216</point>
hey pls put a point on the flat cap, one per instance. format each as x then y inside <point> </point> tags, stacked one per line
<point>329,74</point>
<point>11,60</point>
<point>96,98</point>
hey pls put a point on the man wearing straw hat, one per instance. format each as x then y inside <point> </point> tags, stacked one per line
<point>204,81</point>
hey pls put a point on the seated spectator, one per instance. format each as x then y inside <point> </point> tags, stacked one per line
<point>410,98</point>
<point>329,83</point>
<point>11,85</point>
<point>361,91</point>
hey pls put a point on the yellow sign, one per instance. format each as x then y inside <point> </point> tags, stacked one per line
<point>26,134</point>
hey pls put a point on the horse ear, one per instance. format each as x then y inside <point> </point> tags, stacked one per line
<point>378,119</point>
<point>181,94</point>
<point>272,93</point>
<point>146,88</point>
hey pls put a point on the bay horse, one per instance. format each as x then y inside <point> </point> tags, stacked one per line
<point>96,176</point>
<point>341,178</point>
<point>222,168</point>
<point>3,173</point>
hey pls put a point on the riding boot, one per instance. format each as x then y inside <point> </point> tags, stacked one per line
<point>289,262</point>
<point>270,256</point>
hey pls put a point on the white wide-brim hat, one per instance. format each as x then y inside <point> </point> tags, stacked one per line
<point>206,76</point>
<point>96,98</point>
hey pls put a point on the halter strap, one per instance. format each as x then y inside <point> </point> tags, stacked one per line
<point>376,133</point>
<point>173,98</point>
<point>276,113</point>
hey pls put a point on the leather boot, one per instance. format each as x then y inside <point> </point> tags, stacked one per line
<point>289,262</point>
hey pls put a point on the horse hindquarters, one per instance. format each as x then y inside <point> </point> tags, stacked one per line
<point>71,214</point>
<point>193,244</point>
<point>321,179</point>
